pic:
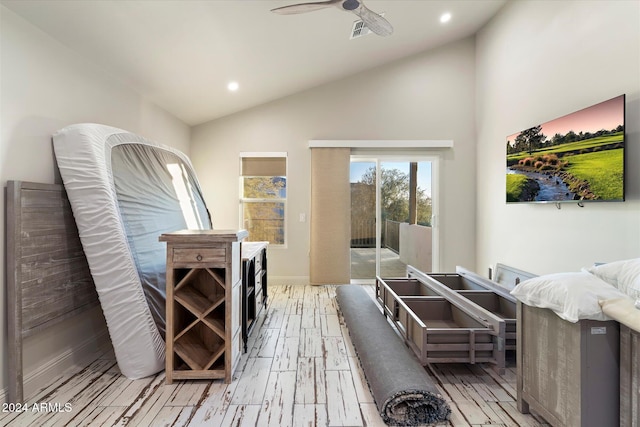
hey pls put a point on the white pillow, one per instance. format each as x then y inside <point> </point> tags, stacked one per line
<point>572,296</point>
<point>624,275</point>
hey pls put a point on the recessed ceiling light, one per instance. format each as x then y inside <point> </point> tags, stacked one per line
<point>233,86</point>
<point>445,17</point>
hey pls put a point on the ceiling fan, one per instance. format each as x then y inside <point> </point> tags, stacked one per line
<point>376,23</point>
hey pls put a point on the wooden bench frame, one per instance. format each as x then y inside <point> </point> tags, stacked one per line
<point>489,322</point>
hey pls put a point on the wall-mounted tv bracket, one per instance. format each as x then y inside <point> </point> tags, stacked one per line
<point>559,206</point>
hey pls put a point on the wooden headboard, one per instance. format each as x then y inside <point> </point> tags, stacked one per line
<point>48,278</point>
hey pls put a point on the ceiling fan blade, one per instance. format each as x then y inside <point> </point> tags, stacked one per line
<point>376,23</point>
<point>304,7</point>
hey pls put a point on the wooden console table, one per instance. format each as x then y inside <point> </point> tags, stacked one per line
<point>203,337</point>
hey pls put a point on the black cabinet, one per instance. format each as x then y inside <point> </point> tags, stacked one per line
<point>254,285</point>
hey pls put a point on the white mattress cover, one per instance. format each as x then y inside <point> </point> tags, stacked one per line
<point>83,156</point>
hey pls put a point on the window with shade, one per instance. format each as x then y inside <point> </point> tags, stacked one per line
<point>263,196</point>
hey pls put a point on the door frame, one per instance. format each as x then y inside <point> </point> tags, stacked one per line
<point>379,157</point>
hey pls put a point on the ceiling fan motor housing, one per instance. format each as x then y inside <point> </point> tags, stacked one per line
<point>350,4</point>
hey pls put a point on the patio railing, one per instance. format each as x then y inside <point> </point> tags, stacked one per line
<point>411,242</point>
<point>363,234</point>
<point>391,235</point>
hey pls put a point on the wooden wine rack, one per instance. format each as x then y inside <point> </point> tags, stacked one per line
<point>203,334</point>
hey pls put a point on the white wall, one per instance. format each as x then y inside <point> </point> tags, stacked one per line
<point>44,87</point>
<point>537,61</point>
<point>416,246</point>
<point>428,96</point>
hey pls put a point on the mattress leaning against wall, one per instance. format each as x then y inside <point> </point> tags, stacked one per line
<point>125,191</point>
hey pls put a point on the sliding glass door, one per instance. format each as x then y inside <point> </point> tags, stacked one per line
<point>392,215</point>
<point>363,219</point>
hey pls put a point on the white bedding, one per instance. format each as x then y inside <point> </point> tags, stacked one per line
<point>624,275</point>
<point>125,191</point>
<point>572,296</point>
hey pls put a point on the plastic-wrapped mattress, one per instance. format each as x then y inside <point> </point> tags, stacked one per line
<point>125,191</point>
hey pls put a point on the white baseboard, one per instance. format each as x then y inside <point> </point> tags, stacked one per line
<point>288,280</point>
<point>71,360</point>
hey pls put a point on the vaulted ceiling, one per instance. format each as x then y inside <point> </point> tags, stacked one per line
<point>182,54</point>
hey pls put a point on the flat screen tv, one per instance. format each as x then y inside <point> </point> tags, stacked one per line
<point>578,157</point>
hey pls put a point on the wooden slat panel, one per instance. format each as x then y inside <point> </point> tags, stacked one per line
<point>53,273</point>
<point>48,278</point>
<point>629,377</point>
<point>566,372</point>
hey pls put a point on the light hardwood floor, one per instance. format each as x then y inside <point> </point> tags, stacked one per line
<point>300,370</point>
<point>363,263</point>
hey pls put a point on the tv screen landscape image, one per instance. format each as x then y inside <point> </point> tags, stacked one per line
<point>577,157</point>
